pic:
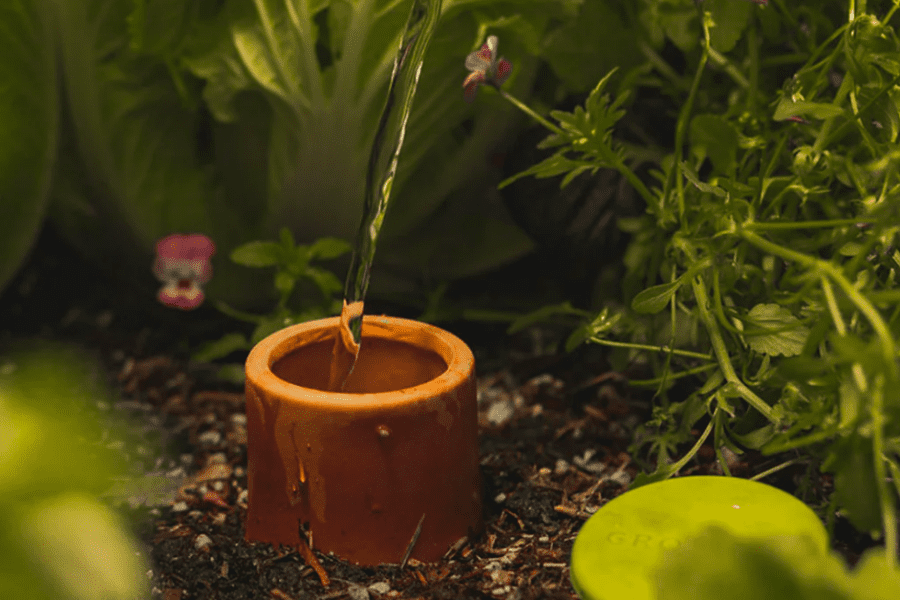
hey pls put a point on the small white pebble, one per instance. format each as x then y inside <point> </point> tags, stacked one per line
<point>560,467</point>
<point>239,471</point>
<point>357,592</point>
<point>202,542</point>
<point>382,587</point>
<point>218,458</point>
<point>500,498</point>
<point>544,539</point>
<point>217,485</point>
<point>175,473</point>
<point>179,506</point>
<point>620,477</point>
<point>239,419</point>
<point>500,412</point>
<point>210,437</point>
<point>544,379</point>
<point>502,577</point>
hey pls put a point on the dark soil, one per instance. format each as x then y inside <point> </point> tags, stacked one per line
<point>555,435</point>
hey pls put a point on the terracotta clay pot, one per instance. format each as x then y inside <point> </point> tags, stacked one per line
<point>356,471</point>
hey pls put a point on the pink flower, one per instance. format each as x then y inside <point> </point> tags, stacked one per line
<point>182,264</point>
<point>486,68</point>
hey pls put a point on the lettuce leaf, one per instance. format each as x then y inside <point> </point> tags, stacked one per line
<point>28,127</point>
<point>237,118</point>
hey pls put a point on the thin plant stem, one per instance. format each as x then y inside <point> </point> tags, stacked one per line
<point>614,160</point>
<point>888,514</point>
<point>676,466</point>
<point>721,352</point>
<point>774,469</point>
<point>666,349</point>
<point>686,373</point>
<point>527,110</point>
<point>829,269</point>
<point>807,224</point>
<point>684,116</point>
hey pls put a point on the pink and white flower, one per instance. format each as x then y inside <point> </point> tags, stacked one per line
<point>486,68</point>
<point>182,265</point>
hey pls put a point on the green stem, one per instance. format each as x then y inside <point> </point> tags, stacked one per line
<point>831,223</point>
<point>774,469</point>
<point>527,110</point>
<point>685,353</point>
<point>614,160</point>
<point>834,273</point>
<point>675,467</point>
<point>888,514</point>
<point>828,125</point>
<point>729,68</point>
<point>684,117</point>
<point>721,352</point>
<point>661,66</point>
<point>686,373</point>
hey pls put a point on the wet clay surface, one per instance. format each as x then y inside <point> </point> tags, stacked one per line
<point>381,366</point>
<point>554,436</point>
<point>345,350</point>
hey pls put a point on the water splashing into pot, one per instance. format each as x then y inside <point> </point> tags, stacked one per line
<point>382,168</point>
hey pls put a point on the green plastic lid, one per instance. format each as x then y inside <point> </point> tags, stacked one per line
<point>619,548</point>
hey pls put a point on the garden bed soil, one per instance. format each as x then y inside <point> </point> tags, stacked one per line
<point>555,431</point>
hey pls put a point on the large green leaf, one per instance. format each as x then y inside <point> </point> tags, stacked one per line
<point>237,118</point>
<point>28,127</point>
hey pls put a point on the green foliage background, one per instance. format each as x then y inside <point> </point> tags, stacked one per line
<point>764,270</point>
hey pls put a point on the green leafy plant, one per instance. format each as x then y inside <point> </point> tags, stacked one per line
<point>293,268</point>
<point>234,119</point>
<point>29,112</point>
<point>764,268</point>
<point>59,541</point>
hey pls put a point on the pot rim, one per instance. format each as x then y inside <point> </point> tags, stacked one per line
<point>452,350</point>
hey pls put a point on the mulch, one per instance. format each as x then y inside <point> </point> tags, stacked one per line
<point>555,432</point>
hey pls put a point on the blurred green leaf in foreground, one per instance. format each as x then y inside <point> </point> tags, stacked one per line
<point>56,539</point>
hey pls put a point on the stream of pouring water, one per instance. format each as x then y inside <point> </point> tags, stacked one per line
<point>383,161</point>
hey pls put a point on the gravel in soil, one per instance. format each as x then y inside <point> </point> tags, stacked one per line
<point>555,431</point>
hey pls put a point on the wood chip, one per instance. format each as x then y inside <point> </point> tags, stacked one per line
<point>213,471</point>
<point>313,562</point>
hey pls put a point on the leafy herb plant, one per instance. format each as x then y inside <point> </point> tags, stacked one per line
<point>293,268</point>
<point>765,267</point>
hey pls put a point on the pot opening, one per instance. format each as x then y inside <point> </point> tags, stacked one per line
<point>383,365</point>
